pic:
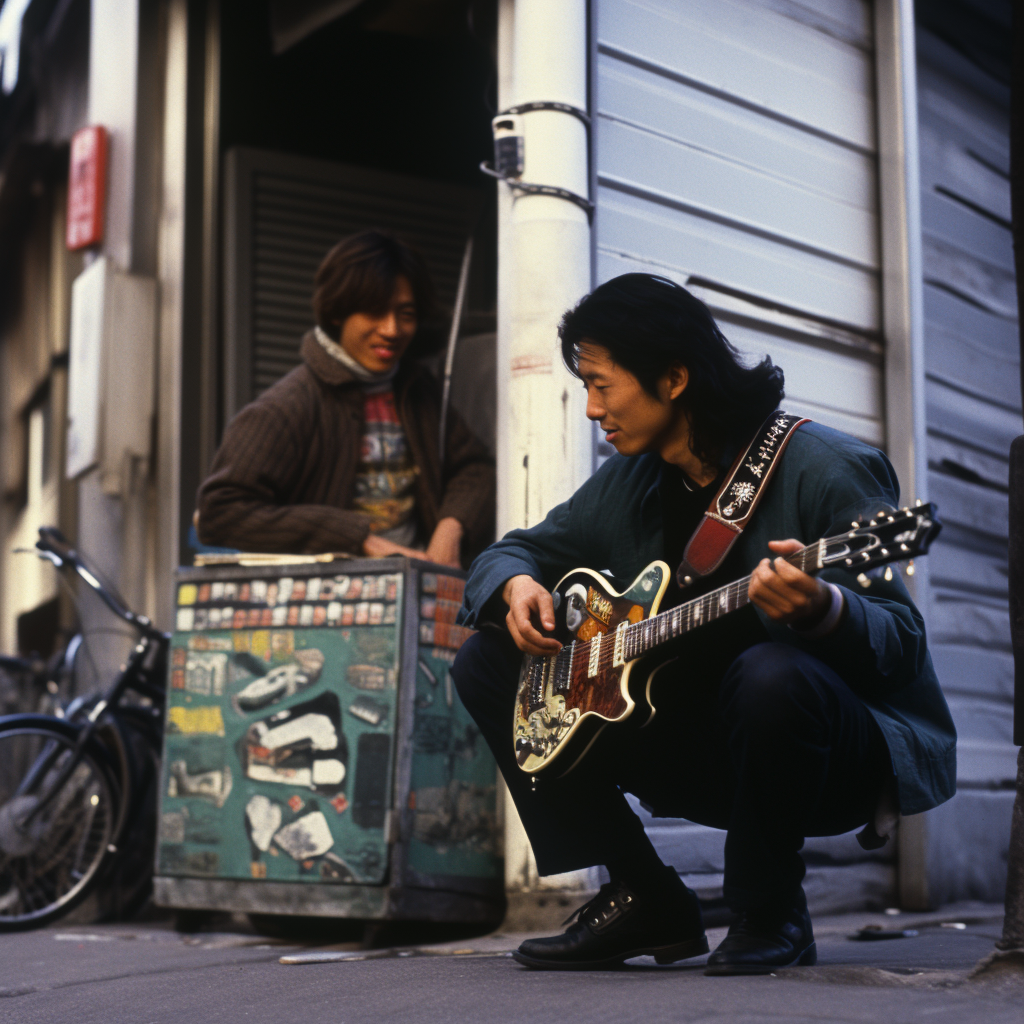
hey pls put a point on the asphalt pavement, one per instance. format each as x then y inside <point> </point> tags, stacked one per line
<point>150,974</point>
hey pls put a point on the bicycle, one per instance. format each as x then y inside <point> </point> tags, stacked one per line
<point>78,789</point>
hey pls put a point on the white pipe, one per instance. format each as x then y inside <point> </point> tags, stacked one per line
<point>544,441</point>
<point>903,325</point>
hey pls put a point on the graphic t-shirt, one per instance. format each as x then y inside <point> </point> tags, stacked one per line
<point>386,475</point>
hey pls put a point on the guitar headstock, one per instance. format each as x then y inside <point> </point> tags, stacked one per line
<point>890,536</point>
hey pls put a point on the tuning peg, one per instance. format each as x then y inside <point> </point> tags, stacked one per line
<point>856,524</point>
<point>888,572</point>
<point>918,502</point>
<point>863,581</point>
<point>910,568</point>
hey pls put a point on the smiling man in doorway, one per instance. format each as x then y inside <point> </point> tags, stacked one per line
<point>342,453</point>
<point>798,715</point>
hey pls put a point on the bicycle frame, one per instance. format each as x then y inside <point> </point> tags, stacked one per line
<point>137,673</point>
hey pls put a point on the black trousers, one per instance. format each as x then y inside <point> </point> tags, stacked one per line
<point>778,749</point>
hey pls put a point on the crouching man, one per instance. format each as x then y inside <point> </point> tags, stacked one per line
<point>791,717</point>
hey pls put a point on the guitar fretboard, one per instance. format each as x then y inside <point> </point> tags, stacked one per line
<point>642,637</point>
<point>629,642</point>
<point>886,538</point>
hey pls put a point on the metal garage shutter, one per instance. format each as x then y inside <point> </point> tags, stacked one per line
<point>735,152</point>
<point>283,214</point>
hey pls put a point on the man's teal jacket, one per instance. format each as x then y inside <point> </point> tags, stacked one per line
<point>825,478</point>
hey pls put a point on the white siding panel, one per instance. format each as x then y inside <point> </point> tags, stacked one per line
<point>961,416</point>
<point>963,116</point>
<point>749,52</point>
<point>988,333</point>
<point>831,387</point>
<point>956,565</point>
<point>980,509</point>
<point>951,456</point>
<point>968,362</point>
<point>983,721</point>
<point>767,269</point>
<point>972,278</point>
<point>656,103</point>
<point>818,378</point>
<point>973,670</point>
<point>948,165</point>
<point>956,224</point>
<point>956,618</point>
<point>987,764</point>
<point>735,194</point>
<point>735,151</point>
<point>849,20</point>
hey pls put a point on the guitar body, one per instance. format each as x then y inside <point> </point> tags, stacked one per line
<point>564,702</point>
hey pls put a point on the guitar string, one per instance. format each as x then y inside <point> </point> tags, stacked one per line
<point>735,591</point>
<point>679,620</point>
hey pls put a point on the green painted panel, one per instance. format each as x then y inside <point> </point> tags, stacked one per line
<point>452,789</point>
<point>281,721</point>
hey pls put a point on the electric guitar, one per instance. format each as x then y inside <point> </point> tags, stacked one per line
<point>565,701</point>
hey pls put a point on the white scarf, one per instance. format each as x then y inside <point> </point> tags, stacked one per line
<point>360,372</point>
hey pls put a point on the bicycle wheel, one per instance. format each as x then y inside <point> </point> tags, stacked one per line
<point>53,844</point>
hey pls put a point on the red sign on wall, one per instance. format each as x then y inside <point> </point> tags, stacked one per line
<point>87,187</point>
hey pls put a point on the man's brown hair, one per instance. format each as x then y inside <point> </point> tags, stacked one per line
<point>359,275</point>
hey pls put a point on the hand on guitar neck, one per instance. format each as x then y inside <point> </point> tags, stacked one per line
<point>784,593</point>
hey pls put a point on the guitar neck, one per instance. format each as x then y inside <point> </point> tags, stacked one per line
<point>644,636</point>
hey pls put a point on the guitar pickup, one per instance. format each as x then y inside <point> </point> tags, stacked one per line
<point>618,652</point>
<point>595,655</point>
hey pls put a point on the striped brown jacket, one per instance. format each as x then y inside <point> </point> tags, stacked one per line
<point>284,475</point>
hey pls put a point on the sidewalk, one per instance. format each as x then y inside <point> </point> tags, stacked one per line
<point>150,974</point>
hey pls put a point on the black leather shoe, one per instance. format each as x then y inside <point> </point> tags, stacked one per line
<point>760,942</point>
<point>616,926</point>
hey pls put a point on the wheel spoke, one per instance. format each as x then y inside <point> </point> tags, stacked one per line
<point>49,858</point>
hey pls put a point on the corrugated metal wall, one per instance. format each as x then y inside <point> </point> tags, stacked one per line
<point>972,359</point>
<point>735,153</point>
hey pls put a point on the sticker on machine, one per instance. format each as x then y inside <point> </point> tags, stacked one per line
<point>300,746</point>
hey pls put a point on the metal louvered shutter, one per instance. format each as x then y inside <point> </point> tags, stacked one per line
<point>283,213</point>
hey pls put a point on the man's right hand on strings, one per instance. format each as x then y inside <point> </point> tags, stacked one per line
<point>530,606</point>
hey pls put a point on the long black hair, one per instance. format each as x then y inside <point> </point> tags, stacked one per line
<point>649,324</point>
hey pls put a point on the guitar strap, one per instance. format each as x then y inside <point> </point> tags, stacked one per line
<point>733,506</point>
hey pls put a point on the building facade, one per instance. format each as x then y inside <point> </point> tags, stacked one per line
<point>831,177</point>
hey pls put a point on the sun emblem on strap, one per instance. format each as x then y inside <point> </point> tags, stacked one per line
<point>742,493</point>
